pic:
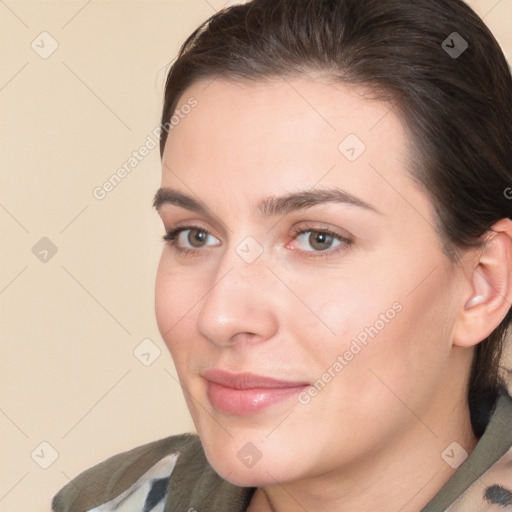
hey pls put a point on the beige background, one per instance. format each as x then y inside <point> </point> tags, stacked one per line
<point>70,325</point>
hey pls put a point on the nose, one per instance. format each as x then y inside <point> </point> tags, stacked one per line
<point>240,304</point>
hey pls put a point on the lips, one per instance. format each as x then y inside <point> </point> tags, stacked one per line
<point>246,393</point>
<point>246,380</point>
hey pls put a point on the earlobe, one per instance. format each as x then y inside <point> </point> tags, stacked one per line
<point>490,288</point>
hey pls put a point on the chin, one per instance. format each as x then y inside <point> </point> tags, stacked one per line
<point>247,477</point>
<point>265,471</point>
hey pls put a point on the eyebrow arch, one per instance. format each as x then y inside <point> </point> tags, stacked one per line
<point>269,206</point>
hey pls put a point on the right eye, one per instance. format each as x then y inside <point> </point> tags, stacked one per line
<point>194,236</point>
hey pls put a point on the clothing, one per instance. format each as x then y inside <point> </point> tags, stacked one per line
<point>173,475</point>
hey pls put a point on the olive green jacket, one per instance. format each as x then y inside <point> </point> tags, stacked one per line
<point>173,475</point>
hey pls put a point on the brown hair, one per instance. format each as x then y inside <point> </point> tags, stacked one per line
<point>457,108</point>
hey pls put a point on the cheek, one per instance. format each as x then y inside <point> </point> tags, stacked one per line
<point>165,301</point>
<point>369,329</point>
<point>356,312</point>
<point>175,298</point>
<point>386,329</point>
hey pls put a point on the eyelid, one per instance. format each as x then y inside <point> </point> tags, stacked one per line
<point>322,228</point>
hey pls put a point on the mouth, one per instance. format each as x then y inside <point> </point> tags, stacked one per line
<point>245,393</point>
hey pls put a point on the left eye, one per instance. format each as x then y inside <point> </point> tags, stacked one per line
<point>319,240</point>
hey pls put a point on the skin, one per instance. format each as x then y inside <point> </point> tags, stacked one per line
<point>372,438</point>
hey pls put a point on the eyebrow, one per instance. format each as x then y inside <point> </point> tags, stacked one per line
<point>269,206</point>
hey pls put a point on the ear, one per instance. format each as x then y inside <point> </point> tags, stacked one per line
<point>489,294</point>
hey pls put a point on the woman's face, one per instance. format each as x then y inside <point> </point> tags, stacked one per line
<point>313,261</point>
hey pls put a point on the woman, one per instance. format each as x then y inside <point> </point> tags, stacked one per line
<point>335,285</point>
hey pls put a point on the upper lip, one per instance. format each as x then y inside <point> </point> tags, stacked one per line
<point>246,380</point>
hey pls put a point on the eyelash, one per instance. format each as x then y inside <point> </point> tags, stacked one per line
<point>172,235</point>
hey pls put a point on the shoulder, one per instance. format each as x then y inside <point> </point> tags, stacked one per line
<point>141,474</point>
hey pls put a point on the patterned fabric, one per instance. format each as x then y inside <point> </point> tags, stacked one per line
<point>147,494</point>
<point>491,492</point>
<point>173,475</point>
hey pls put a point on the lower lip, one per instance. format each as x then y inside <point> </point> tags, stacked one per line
<point>244,402</point>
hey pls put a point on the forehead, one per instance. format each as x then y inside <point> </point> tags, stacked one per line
<point>287,109</point>
<point>259,137</point>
